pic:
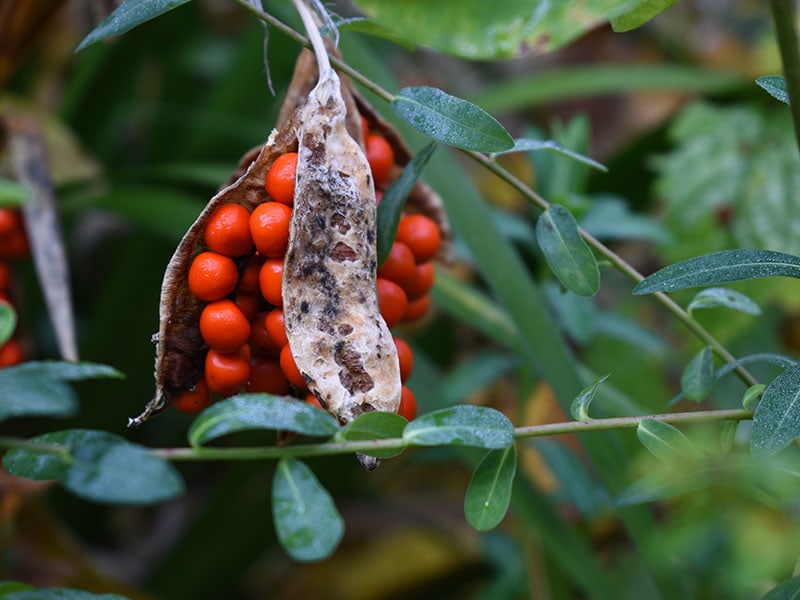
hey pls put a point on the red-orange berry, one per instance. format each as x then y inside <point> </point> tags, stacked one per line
<point>408,404</point>
<point>279,182</point>
<point>406,358</point>
<point>212,276</point>
<point>289,368</point>
<point>399,266</point>
<point>248,280</point>
<point>228,232</point>
<point>249,304</point>
<point>276,327</point>
<point>364,128</point>
<point>313,401</point>
<point>421,235</point>
<point>10,221</point>
<point>266,376</point>
<point>11,353</point>
<point>5,276</point>
<point>14,244</point>
<point>223,326</point>
<point>417,308</point>
<point>269,280</point>
<point>269,228</point>
<point>260,341</point>
<point>194,400</point>
<point>392,301</point>
<point>422,283</point>
<point>380,157</point>
<point>226,372</point>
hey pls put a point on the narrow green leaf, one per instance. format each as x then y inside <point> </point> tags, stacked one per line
<point>489,491</point>
<point>13,193</point>
<point>610,218</point>
<point>788,589</point>
<point>6,587</point>
<point>698,376</point>
<point>308,525</point>
<point>8,321</point>
<point>640,14</point>
<point>450,120</point>
<point>128,15</point>
<point>50,464</point>
<point>58,594</point>
<point>374,426</point>
<point>66,370</point>
<point>752,395</point>
<point>475,373</point>
<point>580,406</point>
<point>655,486</point>
<point>776,422</point>
<point>718,296</point>
<point>662,440</point>
<point>531,145</point>
<point>463,424</point>
<point>775,87</point>
<point>120,473</point>
<point>578,485</point>
<point>720,267</point>
<point>571,260</point>
<point>394,199</point>
<point>259,411</point>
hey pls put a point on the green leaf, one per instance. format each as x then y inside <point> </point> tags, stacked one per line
<point>111,472</point>
<point>717,296</point>
<point>475,373</point>
<point>308,525</point>
<point>8,321</point>
<point>391,206</point>
<point>476,29</point>
<point>530,145</point>
<point>13,193</point>
<point>575,314</point>
<point>775,87</point>
<point>776,422</point>
<point>641,14</point>
<point>37,388</point>
<point>752,395</point>
<point>128,15</point>
<point>451,120</point>
<point>720,267</point>
<point>374,425</point>
<point>580,406</point>
<point>698,376</point>
<point>7,587</point>
<point>662,440</point>
<point>655,486</point>
<point>463,424</point>
<point>788,589</point>
<point>51,463</point>
<point>610,218</point>
<point>260,411</point>
<point>571,260</point>
<point>58,594</point>
<point>489,491</point>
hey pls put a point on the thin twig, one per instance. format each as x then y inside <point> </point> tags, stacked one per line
<point>783,16</point>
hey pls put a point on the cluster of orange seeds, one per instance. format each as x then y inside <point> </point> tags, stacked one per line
<point>13,245</point>
<point>239,275</point>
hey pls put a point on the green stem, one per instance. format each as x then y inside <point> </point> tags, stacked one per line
<point>618,262</point>
<point>783,16</point>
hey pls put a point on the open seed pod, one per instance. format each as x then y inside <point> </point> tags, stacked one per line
<point>338,339</point>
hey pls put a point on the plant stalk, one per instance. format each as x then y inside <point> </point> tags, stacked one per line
<point>783,16</point>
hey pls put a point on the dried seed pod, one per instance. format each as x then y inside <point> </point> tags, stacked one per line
<point>339,340</point>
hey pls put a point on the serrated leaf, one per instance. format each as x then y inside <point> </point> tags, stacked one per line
<point>641,14</point>
<point>717,296</point>
<point>662,440</point>
<point>13,193</point>
<point>120,473</point>
<point>259,411</point>
<point>531,145</point>
<point>394,198</point>
<point>698,376</point>
<point>775,87</point>
<point>788,589</point>
<point>580,405</point>
<point>374,425</point>
<point>450,120</point>
<point>58,594</point>
<point>8,321</point>
<point>308,525</point>
<point>776,422</point>
<point>489,492</point>
<point>49,465</point>
<point>464,425</point>
<point>128,15</point>
<point>720,267</point>
<point>571,260</point>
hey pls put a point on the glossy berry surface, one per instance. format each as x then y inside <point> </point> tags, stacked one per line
<point>228,232</point>
<point>421,235</point>
<point>269,228</point>
<point>212,276</point>
<point>392,301</point>
<point>279,182</point>
<point>226,372</point>
<point>223,326</point>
